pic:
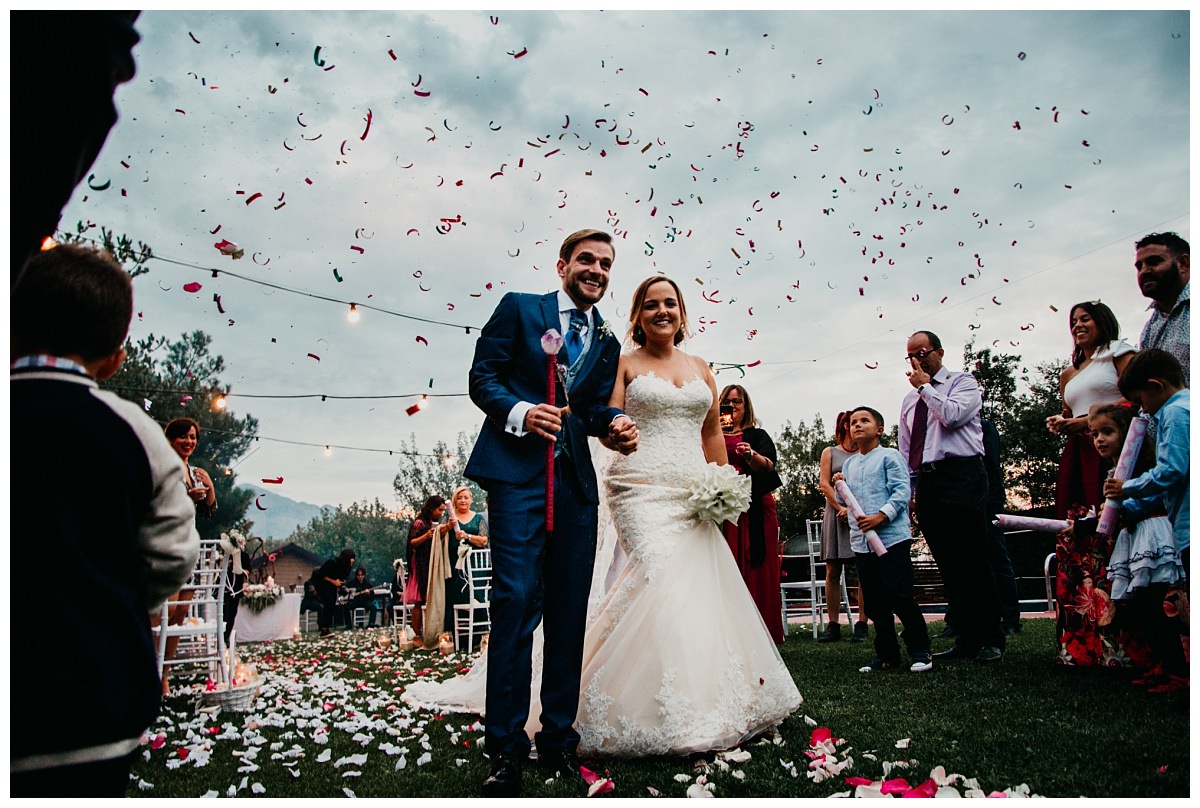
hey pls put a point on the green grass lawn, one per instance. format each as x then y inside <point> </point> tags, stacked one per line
<point>329,722</point>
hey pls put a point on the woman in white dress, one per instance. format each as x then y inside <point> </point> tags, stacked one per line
<point>677,659</point>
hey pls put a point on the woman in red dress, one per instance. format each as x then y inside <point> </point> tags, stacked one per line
<point>754,540</point>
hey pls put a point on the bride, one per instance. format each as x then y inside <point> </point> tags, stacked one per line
<point>676,657</point>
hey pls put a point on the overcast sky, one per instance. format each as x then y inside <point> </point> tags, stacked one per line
<point>821,184</point>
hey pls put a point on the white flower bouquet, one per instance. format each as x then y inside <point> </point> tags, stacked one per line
<point>259,596</point>
<point>719,493</point>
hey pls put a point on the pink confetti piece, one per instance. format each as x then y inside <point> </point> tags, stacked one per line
<point>192,287</point>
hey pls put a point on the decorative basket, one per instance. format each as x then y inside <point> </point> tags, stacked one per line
<point>239,699</point>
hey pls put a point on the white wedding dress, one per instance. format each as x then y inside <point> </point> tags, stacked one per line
<point>676,657</point>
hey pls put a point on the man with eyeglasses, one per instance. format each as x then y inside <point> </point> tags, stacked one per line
<point>942,439</point>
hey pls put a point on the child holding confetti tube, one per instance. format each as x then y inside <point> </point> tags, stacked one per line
<point>878,479</point>
<point>1143,564</point>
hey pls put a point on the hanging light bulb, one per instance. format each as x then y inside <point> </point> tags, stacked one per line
<point>219,403</point>
<point>328,450</point>
<point>353,315</point>
<point>420,405</point>
<point>48,243</point>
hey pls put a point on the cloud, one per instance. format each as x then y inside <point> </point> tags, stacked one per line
<point>761,154</point>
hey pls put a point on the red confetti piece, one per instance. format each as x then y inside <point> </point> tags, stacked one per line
<point>421,93</point>
<point>422,340</point>
<point>521,53</point>
<point>193,36</point>
<point>314,356</point>
<point>192,287</point>
<point>370,116</point>
<point>217,300</point>
<point>392,54</point>
<point>252,198</point>
<point>258,504</point>
<point>357,249</point>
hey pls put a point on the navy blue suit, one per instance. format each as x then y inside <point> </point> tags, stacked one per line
<point>530,569</point>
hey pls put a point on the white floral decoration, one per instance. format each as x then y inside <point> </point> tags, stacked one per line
<point>259,596</point>
<point>719,493</point>
<point>605,330</point>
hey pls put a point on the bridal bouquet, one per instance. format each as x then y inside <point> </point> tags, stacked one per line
<point>259,596</point>
<point>719,493</point>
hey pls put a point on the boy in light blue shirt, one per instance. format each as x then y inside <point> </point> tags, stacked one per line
<point>878,478</point>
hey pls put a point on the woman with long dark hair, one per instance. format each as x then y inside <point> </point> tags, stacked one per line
<point>1097,359</point>
<point>420,537</point>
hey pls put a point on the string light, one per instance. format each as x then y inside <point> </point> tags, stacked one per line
<point>218,272</point>
<point>353,315</point>
<point>219,403</point>
<point>48,243</point>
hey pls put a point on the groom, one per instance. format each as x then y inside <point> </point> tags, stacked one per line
<point>535,576</point>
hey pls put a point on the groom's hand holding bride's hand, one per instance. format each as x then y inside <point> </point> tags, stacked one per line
<point>622,435</point>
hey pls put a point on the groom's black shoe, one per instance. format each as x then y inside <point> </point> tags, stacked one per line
<point>504,780</point>
<point>563,762</point>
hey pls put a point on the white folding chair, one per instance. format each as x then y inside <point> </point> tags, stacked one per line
<point>358,617</point>
<point>816,565</point>
<point>473,618</point>
<point>202,630</point>
<point>308,621</point>
<point>401,611</point>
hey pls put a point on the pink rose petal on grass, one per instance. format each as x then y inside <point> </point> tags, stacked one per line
<point>896,786</point>
<point>587,775</point>
<point>926,789</point>
<point>159,740</point>
<point>600,787</point>
<point>819,735</point>
<point>858,781</point>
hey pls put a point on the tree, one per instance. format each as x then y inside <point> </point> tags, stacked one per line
<point>438,472</point>
<point>799,498</point>
<point>1030,454</point>
<point>375,534</point>
<point>130,256</point>
<point>182,379</point>
<point>1033,453</point>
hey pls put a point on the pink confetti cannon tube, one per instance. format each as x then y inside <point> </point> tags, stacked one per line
<point>1032,523</point>
<point>1129,453</point>
<point>856,511</point>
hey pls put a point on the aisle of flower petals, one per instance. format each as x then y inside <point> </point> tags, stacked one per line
<point>311,693</point>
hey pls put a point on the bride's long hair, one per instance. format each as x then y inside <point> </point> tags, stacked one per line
<point>639,299</point>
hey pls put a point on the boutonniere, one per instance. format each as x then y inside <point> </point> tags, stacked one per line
<point>605,330</point>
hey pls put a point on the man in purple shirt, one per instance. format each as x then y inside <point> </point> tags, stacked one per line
<point>942,440</point>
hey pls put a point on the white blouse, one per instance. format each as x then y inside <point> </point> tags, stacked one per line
<point>1096,383</point>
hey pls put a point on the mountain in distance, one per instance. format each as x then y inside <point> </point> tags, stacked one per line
<point>279,516</point>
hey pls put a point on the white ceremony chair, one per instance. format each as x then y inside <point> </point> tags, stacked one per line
<point>807,598</point>
<point>401,611</point>
<point>202,632</point>
<point>473,619</point>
